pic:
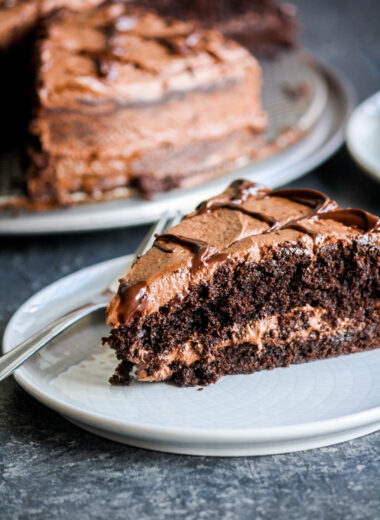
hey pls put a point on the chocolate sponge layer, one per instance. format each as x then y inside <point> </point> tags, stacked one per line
<point>342,280</point>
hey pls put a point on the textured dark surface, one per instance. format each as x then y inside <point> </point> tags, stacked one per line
<point>51,469</point>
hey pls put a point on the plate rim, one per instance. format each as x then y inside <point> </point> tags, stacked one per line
<point>357,156</point>
<point>163,433</point>
<point>336,81</point>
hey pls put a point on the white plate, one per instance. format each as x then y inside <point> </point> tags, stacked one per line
<point>287,409</point>
<point>316,146</point>
<point>363,135</point>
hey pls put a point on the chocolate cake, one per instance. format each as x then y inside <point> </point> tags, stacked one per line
<point>253,279</point>
<point>127,98</point>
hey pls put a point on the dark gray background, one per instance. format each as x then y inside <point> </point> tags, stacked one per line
<point>51,469</point>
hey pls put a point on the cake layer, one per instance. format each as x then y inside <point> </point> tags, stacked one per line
<point>159,170</point>
<point>176,121</point>
<point>277,331</point>
<point>247,359</point>
<point>246,299</point>
<point>122,86</point>
<point>289,265</point>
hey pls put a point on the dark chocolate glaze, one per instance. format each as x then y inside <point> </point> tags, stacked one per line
<point>321,207</point>
<point>241,190</point>
<point>317,201</point>
<point>236,207</point>
<point>164,249</point>
<point>312,198</point>
<point>244,189</point>
<point>201,250</point>
<point>133,299</point>
<point>357,218</point>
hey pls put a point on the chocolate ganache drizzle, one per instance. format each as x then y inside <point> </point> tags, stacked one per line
<point>240,191</point>
<point>133,298</point>
<point>200,249</point>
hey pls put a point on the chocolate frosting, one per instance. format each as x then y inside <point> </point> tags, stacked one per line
<point>241,223</point>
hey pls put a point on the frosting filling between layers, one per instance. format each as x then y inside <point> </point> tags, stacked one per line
<point>261,333</point>
<point>180,164</point>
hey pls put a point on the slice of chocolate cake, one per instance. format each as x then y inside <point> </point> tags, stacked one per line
<point>129,99</point>
<point>253,279</point>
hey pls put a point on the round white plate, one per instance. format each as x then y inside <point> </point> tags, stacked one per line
<point>320,142</point>
<point>287,409</point>
<point>363,135</point>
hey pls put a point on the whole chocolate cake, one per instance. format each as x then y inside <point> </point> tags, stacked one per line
<point>253,279</point>
<point>129,99</point>
<point>129,102</point>
<point>263,26</point>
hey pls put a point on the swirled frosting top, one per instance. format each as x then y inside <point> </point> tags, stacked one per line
<point>118,55</point>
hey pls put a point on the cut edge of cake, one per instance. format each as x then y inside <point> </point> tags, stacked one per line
<point>252,279</point>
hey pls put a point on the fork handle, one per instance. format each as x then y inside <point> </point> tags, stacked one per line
<point>15,357</point>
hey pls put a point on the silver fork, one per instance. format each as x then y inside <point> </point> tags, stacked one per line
<point>18,355</point>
